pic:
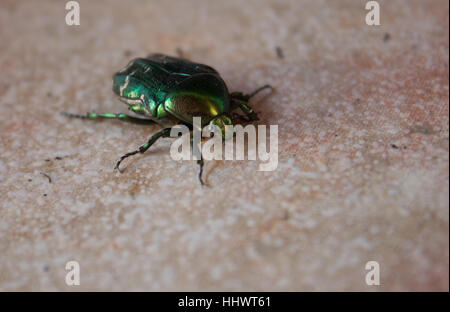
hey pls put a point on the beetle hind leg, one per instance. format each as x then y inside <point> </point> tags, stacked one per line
<point>120,116</point>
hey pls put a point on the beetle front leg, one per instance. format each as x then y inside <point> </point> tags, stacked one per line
<point>201,163</point>
<point>239,99</point>
<point>120,116</point>
<point>164,133</point>
<point>249,113</point>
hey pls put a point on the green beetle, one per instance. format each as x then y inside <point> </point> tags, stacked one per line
<point>169,90</point>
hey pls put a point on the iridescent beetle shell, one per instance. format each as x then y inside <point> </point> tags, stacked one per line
<point>161,87</point>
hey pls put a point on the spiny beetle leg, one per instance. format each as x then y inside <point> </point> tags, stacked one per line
<point>120,116</point>
<point>164,133</point>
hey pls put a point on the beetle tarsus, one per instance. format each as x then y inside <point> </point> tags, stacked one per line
<point>123,157</point>
<point>141,149</point>
<point>74,115</point>
<point>116,167</point>
<point>117,116</point>
<point>201,163</point>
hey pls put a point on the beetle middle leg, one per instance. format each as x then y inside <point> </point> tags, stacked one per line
<point>120,116</point>
<point>164,133</point>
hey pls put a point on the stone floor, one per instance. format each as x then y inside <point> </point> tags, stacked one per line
<point>363,172</point>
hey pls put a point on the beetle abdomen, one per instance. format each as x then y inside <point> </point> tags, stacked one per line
<point>202,95</point>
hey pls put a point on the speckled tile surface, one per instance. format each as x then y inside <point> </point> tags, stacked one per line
<point>363,149</point>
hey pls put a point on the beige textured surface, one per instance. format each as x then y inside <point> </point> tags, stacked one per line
<point>363,149</point>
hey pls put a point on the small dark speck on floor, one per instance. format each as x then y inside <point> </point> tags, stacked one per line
<point>279,52</point>
<point>357,101</point>
<point>387,37</point>
<point>56,158</point>
<point>47,176</point>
